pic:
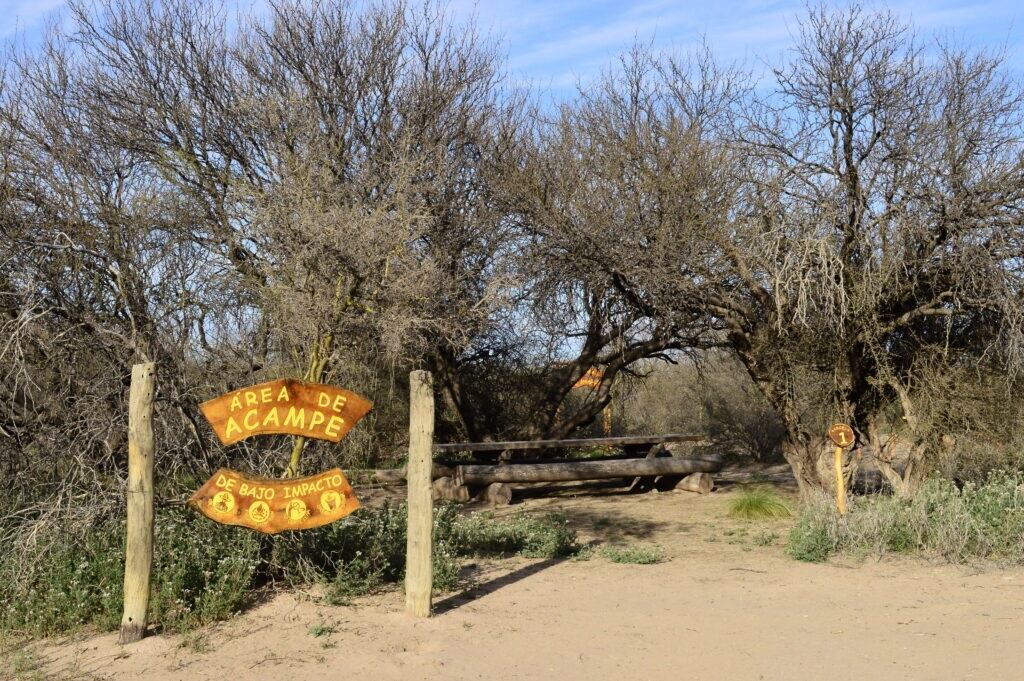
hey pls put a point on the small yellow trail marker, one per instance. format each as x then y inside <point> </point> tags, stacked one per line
<point>842,435</point>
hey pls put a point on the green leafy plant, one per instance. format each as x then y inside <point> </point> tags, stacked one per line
<point>204,572</point>
<point>960,524</point>
<point>321,629</point>
<point>634,554</point>
<point>758,502</point>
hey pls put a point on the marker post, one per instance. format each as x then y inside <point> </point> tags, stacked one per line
<point>843,437</point>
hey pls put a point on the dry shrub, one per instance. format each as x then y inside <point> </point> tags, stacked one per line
<point>715,398</point>
<point>960,524</point>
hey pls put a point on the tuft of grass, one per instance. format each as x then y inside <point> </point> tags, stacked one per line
<point>635,554</point>
<point>977,521</point>
<point>195,641</point>
<point>19,662</point>
<point>766,538</point>
<point>758,502</point>
<point>321,629</point>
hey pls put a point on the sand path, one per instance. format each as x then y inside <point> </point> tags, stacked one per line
<point>724,607</point>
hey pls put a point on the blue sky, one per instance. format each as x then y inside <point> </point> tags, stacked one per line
<point>557,42</point>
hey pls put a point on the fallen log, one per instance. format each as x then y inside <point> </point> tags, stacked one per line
<point>642,484</point>
<point>516,445</point>
<point>392,475</point>
<point>701,483</point>
<point>497,494</point>
<point>586,470</point>
<point>446,489</point>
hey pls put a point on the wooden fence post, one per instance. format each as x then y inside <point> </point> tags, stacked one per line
<point>139,539</point>
<point>419,538</point>
<point>840,482</point>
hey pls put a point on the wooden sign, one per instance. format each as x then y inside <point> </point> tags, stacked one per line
<point>270,506</point>
<point>286,406</point>
<point>841,434</point>
<point>591,379</point>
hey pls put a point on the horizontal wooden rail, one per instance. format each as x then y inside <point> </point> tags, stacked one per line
<point>586,470</point>
<point>621,441</point>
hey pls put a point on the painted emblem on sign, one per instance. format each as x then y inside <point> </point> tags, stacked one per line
<point>331,500</point>
<point>591,379</point>
<point>272,506</point>
<point>285,406</point>
<point>223,503</point>
<point>841,434</point>
<point>259,512</point>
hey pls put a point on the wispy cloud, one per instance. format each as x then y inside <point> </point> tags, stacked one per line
<point>561,43</point>
<point>557,42</point>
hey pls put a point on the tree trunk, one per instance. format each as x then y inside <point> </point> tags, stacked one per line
<point>773,375</point>
<point>803,459</point>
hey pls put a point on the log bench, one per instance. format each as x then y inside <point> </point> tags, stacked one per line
<point>643,463</point>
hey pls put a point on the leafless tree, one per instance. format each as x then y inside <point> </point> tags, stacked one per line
<point>884,218</point>
<point>838,231</point>
<point>343,191</point>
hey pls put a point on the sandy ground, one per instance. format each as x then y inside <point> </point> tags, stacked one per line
<point>727,605</point>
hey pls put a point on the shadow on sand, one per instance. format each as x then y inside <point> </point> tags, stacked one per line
<point>478,590</point>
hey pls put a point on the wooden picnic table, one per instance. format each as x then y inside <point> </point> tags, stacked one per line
<point>627,442</point>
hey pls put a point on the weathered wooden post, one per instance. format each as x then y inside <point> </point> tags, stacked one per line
<point>843,437</point>
<point>139,539</point>
<point>840,482</point>
<point>419,540</point>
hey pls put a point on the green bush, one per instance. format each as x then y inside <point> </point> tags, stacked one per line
<point>356,555</point>
<point>634,554</point>
<point>812,538</point>
<point>753,503</point>
<point>525,535</point>
<point>64,582</point>
<point>201,572</point>
<point>204,571</point>
<point>983,521</point>
<point>366,551</point>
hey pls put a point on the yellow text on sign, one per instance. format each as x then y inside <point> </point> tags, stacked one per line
<point>271,506</point>
<point>285,407</point>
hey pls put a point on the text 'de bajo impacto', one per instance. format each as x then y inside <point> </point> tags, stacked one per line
<point>270,506</point>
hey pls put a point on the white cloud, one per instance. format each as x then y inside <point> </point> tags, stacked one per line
<point>561,42</point>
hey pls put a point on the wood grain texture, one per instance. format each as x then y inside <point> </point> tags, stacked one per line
<point>270,505</point>
<point>285,406</point>
<point>620,441</point>
<point>585,470</point>
<point>139,540</point>
<point>841,434</point>
<point>419,546</point>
